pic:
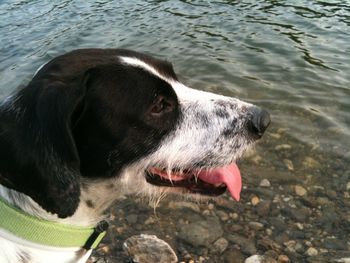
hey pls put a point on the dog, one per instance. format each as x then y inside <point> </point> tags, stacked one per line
<point>97,124</point>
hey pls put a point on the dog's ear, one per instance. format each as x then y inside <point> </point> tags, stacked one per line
<point>42,159</point>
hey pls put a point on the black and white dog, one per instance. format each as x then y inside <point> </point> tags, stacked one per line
<point>97,124</point>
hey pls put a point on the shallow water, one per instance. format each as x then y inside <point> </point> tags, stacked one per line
<point>291,58</point>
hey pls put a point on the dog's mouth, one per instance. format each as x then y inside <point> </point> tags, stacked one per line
<point>212,182</point>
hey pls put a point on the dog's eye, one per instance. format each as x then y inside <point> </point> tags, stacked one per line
<point>161,105</point>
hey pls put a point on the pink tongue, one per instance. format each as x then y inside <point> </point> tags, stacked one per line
<point>228,175</point>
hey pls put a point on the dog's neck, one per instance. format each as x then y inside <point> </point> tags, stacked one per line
<point>95,198</point>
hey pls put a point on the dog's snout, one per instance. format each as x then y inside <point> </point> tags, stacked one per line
<point>259,122</point>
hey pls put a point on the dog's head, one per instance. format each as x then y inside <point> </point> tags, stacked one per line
<point>117,113</point>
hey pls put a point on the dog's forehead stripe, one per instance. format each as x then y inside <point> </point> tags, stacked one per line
<point>132,61</point>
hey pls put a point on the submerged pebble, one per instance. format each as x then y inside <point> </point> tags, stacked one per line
<point>255,200</point>
<point>311,251</point>
<point>283,147</point>
<point>149,249</point>
<point>289,164</point>
<point>283,259</point>
<point>220,245</point>
<point>265,183</point>
<point>202,233</point>
<point>310,162</point>
<point>299,190</point>
<point>260,259</point>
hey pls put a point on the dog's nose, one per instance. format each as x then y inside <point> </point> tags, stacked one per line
<point>259,122</point>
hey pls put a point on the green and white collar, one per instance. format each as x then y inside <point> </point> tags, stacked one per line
<point>49,233</point>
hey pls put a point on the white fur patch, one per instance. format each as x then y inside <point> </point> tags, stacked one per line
<point>206,117</point>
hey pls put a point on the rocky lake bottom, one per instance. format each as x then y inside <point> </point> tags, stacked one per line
<point>288,212</point>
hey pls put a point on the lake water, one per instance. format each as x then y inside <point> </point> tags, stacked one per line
<point>290,57</point>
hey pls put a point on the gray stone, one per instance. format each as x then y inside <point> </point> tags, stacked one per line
<point>269,245</point>
<point>149,249</point>
<point>334,243</point>
<point>255,259</point>
<point>233,255</point>
<point>180,205</point>
<point>256,225</point>
<point>311,252</point>
<point>222,215</point>
<point>301,213</point>
<point>131,219</point>
<point>260,259</point>
<point>263,208</point>
<point>201,233</point>
<point>265,183</point>
<point>247,245</point>
<point>299,190</point>
<point>283,147</point>
<point>343,260</point>
<point>220,245</point>
<point>278,224</point>
<point>310,162</point>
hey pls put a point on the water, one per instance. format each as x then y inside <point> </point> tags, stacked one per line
<point>290,57</point>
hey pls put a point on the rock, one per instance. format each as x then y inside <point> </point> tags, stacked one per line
<point>335,244</point>
<point>256,225</point>
<point>263,208</point>
<point>289,164</point>
<point>179,205</point>
<point>268,244</point>
<point>311,252</point>
<point>247,245</point>
<point>282,130</point>
<point>131,219</point>
<point>275,135</point>
<point>201,233</point>
<point>348,186</point>
<point>278,224</point>
<point>220,245</point>
<point>233,255</point>
<point>148,249</point>
<point>282,259</point>
<point>290,245</point>
<point>234,216</point>
<point>254,259</point>
<point>331,194</point>
<point>301,213</point>
<point>299,190</point>
<point>268,231</point>
<point>343,260</point>
<point>310,162</point>
<point>150,220</point>
<point>271,254</point>
<point>309,201</point>
<point>222,215</point>
<point>297,234</point>
<point>256,159</point>
<point>323,201</point>
<point>283,147</point>
<point>263,192</point>
<point>299,226</point>
<point>255,200</point>
<point>265,183</point>
<point>211,206</point>
<point>259,259</point>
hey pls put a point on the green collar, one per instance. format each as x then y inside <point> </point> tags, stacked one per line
<point>49,233</point>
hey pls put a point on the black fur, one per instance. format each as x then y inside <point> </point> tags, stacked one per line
<point>84,114</point>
